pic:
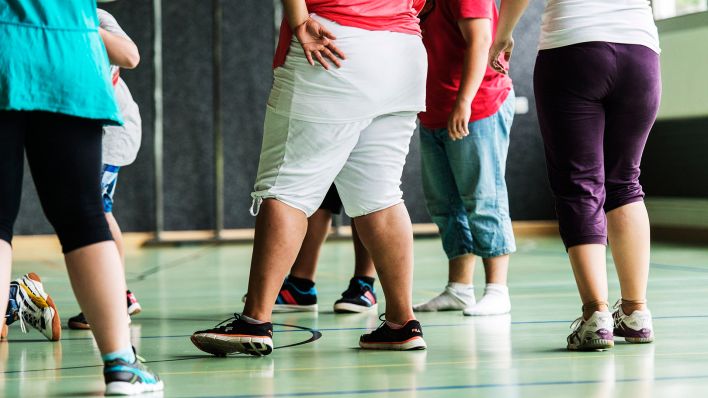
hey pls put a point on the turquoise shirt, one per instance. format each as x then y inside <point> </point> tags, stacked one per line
<point>53,59</point>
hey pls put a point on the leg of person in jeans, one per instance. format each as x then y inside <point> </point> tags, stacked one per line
<point>444,204</point>
<point>570,85</point>
<point>478,163</point>
<point>631,112</point>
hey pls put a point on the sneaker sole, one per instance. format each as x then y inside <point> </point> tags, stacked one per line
<point>78,326</point>
<point>123,388</point>
<point>592,345</point>
<point>282,308</point>
<point>134,309</point>
<point>349,308</point>
<point>639,340</point>
<point>56,321</point>
<point>223,345</point>
<point>415,343</point>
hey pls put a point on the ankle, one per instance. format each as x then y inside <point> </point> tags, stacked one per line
<point>591,307</point>
<point>629,306</point>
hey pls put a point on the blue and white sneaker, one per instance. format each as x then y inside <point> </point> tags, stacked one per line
<point>123,378</point>
<point>292,299</point>
<point>29,304</point>
<point>359,297</point>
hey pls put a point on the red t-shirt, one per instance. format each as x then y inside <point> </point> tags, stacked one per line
<point>392,15</point>
<point>446,53</point>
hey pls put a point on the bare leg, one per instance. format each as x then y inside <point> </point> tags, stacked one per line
<point>363,264</point>
<point>461,269</point>
<point>628,229</point>
<point>318,226</point>
<point>99,285</point>
<point>280,230</point>
<point>118,238</point>
<point>496,269</point>
<point>5,269</point>
<point>589,268</point>
<point>388,236</point>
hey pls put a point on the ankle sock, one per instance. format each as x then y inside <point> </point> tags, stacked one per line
<point>252,320</point>
<point>126,354</point>
<point>394,325</point>
<point>462,288</point>
<point>456,296</point>
<point>301,283</point>
<point>494,302</point>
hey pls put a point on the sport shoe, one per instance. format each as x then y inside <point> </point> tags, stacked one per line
<point>408,337</point>
<point>34,306</point>
<point>593,334</point>
<point>124,378</point>
<point>78,322</point>
<point>292,299</point>
<point>237,336</point>
<point>134,307</point>
<point>359,297</point>
<point>635,328</point>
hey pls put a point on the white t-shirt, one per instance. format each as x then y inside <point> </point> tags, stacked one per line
<point>120,143</point>
<point>384,73</point>
<point>567,22</point>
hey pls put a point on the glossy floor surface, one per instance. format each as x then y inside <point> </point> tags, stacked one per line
<point>522,355</point>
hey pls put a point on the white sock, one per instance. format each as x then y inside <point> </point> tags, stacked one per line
<point>494,302</point>
<point>251,320</point>
<point>456,296</point>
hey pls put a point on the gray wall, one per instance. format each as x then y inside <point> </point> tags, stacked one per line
<point>188,144</point>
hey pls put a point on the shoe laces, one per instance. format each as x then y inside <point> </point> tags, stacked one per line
<point>575,326</point>
<point>29,316</point>
<point>356,288</point>
<point>223,324</point>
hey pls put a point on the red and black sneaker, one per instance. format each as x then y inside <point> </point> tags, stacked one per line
<point>237,336</point>
<point>359,297</point>
<point>408,337</point>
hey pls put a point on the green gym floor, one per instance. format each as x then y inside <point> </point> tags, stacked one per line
<point>522,355</point>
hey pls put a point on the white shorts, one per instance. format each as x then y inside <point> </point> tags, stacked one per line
<point>300,160</point>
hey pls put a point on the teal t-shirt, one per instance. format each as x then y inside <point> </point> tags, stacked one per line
<point>53,59</point>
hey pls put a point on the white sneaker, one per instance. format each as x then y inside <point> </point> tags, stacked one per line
<point>451,299</point>
<point>35,306</point>
<point>635,328</point>
<point>592,334</point>
<point>494,302</point>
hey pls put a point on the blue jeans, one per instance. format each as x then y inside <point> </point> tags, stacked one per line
<point>464,186</point>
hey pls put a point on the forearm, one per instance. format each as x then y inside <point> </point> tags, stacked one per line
<point>510,12</point>
<point>473,70</point>
<point>295,12</point>
<point>121,51</point>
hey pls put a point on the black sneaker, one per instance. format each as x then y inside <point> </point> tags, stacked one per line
<point>79,322</point>
<point>359,297</point>
<point>124,378</point>
<point>409,337</point>
<point>237,336</point>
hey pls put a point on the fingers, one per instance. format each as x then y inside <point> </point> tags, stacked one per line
<point>336,50</point>
<point>457,129</point>
<point>320,59</point>
<point>308,55</point>
<point>329,55</point>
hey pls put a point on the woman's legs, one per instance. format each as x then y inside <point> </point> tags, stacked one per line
<point>318,226</point>
<point>64,154</point>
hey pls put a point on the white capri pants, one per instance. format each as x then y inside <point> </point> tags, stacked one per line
<point>300,160</point>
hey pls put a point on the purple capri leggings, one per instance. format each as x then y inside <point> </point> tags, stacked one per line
<point>596,104</point>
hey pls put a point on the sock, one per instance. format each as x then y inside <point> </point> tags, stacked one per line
<point>301,284</point>
<point>456,296</point>
<point>252,320</point>
<point>366,279</point>
<point>126,354</point>
<point>394,325</point>
<point>494,302</point>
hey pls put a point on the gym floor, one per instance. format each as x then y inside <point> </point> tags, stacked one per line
<point>523,355</point>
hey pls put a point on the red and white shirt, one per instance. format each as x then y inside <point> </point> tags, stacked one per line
<point>446,47</point>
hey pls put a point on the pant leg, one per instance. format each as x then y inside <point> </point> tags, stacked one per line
<point>570,85</point>
<point>478,163</point>
<point>64,155</point>
<point>12,137</point>
<point>300,160</point>
<point>370,180</point>
<point>631,112</point>
<point>442,199</point>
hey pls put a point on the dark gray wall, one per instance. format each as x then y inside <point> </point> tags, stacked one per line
<point>188,144</point>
